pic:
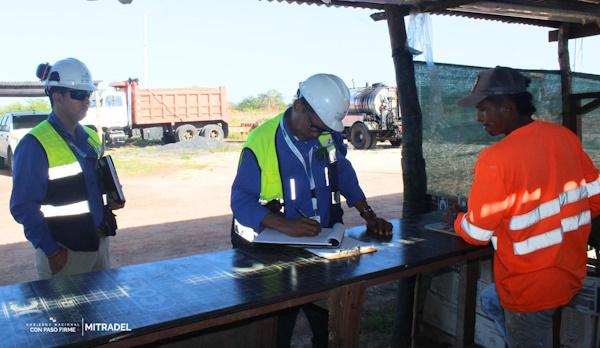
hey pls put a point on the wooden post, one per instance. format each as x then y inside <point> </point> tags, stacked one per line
<point>414,176</point>
<point>413,164</point>
<point>569,117</point>
<point>467,294</point>
<point>345,309</point>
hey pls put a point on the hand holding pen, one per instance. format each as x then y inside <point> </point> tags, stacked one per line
<point>298,227</point>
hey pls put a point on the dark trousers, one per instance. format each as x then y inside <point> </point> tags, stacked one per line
<point>317,318</point>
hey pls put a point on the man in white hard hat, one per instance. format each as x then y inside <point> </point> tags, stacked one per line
<point>57,192</point>
<point>291,174</point>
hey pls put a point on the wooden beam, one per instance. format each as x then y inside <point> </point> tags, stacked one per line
<point>587,95</point>
<point>577,31</point>
<point>413,164</point>
<point>569,118</point>
<point>584,109</point>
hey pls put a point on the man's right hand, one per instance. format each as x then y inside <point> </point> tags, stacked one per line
<point>57,260</point>
<point>301,227</point>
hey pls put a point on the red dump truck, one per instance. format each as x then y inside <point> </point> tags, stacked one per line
<point>123,109</point>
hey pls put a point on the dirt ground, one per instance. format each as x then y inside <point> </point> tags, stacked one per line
<point>171,213</point>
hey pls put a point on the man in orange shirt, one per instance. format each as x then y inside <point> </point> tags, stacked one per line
<point>533,196</point>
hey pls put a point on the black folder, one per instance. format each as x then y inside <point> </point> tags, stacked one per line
<point>112,185</point>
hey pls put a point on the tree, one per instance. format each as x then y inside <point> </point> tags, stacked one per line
<point>27,105</point>
<point>271,100</point>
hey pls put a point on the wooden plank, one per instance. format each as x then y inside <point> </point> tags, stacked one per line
<point>467,295</point>
<point>126,341</point>
<point>345,309</point>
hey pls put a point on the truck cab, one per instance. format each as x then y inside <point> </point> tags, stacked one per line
<point>108,111</point>
<point>13,127</point>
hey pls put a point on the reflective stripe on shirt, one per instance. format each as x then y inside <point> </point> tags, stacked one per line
<point>550,208</point>
<point>495,242</point>
<point>553,237</point>
<point>538,242</point>
<point>474,231</point>
<point>593,188</point>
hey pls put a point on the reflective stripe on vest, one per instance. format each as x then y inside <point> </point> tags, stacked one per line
<point>62,164</point>
<point>65,210</point>
<point>64,171</point>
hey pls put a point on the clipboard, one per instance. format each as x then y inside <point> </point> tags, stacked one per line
<point>112,185</point>
<point>442,227</point>
<point>327,238</point>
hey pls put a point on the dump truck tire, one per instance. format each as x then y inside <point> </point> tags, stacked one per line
<point>213,131</point>
<point>186,132</point>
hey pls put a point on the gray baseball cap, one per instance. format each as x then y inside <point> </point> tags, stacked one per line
<point>497,81</point>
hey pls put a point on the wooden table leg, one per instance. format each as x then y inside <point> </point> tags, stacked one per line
<point>345,310</point>
<point>467,295</point>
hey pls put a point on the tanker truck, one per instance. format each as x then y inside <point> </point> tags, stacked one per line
<point>373,116</point>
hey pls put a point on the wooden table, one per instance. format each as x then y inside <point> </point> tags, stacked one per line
<point>174,297</point>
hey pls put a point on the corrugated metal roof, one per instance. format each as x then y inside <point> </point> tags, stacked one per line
<point>538,12</point>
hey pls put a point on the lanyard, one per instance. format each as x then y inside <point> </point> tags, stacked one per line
<point>74,147</point>
<point>307,170</point>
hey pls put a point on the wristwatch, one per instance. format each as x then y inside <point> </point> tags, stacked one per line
<point>368,213</point>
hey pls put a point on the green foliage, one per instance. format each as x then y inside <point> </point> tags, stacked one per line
<point>27,105</point>
<point>269,101</point>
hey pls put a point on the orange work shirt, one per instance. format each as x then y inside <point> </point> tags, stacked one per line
<point>533,196</point>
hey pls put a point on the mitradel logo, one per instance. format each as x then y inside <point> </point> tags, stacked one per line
<point>54,326</point>
<point>94,327</point>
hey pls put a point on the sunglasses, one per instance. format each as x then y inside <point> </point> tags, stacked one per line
<point>78,94</point>
<point>308,110</point>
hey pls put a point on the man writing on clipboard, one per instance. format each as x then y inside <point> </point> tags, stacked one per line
<point>291,174</point>
<point>58,192</point>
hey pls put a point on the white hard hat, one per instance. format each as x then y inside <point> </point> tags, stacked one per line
<point>68,73</point>
<point>329,96</point>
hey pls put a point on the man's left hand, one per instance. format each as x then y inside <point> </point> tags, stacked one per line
<point>379,227</point>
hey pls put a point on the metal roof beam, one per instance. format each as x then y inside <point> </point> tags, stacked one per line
<point>25,93</point>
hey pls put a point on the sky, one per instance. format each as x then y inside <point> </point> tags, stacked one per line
<point>251,46</point>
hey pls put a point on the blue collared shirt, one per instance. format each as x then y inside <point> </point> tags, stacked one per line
<point>30,182</point>
<point>245,191</point>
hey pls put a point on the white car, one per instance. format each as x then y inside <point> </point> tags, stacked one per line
<point>13,127</point>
